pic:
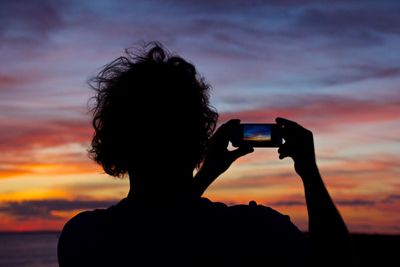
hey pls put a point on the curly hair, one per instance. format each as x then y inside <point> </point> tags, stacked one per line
<point>123,88</point>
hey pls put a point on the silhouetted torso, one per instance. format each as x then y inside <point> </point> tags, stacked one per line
<point>196,233</point>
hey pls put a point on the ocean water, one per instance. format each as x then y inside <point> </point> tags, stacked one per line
<point>28,249</point>
<point>40,249</point>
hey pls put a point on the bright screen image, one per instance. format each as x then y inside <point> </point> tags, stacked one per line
<point>257,132</point>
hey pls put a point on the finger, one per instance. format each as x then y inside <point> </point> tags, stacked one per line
<point>281,153</point>
<point>225,127</point>
<point>240,152</point>
<point>223,133</point>
<point>285,122</point>
<point>282,156</point>
<point>284,151</point>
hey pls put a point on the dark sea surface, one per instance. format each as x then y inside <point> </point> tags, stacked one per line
<point>39,249</point>
<point>28,249</point>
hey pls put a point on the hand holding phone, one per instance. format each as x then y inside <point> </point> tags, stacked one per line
<point>258,135</point>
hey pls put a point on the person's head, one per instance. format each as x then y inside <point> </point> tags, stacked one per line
<point>151,110</point>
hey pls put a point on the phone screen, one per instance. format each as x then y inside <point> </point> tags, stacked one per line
<point>257,132</point>
<point>258,135</point>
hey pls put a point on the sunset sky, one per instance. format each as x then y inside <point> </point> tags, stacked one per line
<point>334,68</point>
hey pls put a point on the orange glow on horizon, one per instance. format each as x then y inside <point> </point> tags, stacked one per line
<point>364,184</point>
<point>35,194</point>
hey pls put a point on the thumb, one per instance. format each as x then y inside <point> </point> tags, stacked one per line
<point>241,151</point>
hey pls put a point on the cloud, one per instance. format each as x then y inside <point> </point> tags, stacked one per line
<point>44,209</point>
<point>96,187</point>
<point>321,112</point>
<point>340,202</point>
<point>60,145</point>
<point>252,181</point>
<point>352,18</point>
<point>27,23</point>
<point>278,25</point>
<point>355,202</point>
<point>30,133</point>
<point>367,166</point>
<point>16,83</point>
<point>392,199</point>
<point>288,203</point>
<point>357,73</point>
<point>7,81</point>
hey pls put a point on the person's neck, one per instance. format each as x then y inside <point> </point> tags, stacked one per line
<point>161,188</point>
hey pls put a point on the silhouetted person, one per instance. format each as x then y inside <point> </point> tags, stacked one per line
<point>153,122</point>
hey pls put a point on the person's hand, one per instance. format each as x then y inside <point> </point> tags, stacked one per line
<point>299,145</point>
<point>218,158</point>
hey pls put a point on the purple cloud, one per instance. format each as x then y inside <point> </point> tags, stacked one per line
<point>391,199</point>
<point>25,22</point>
<point>355,202</point>
<point>42,209</point>
<point>352,19</point>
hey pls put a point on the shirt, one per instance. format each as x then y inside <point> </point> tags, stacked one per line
<point>194,233</point>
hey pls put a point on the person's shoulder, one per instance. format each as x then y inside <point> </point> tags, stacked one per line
<point>263,216</point>
<point>269,224</point>
<point>89,220</point>
<point>246,212</point>
<point>207,203</point>
<point>77,227</point>
<point>79,233</point>
<point>83,219</point>
<point>252,207</point>
<point>256,210</point>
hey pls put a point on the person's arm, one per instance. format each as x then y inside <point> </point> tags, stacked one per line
<point>218,158</point>
<point>328,233</point>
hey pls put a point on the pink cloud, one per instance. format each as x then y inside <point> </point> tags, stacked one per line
<point>28,133</point>
<point>323,113</point>
<point>24,145</point>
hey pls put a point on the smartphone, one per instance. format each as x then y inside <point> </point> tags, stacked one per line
<point>258,135</point>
